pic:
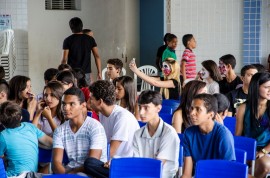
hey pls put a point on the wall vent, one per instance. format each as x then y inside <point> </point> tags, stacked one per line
<point>62,5</point>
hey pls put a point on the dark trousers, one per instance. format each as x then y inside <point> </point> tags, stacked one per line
<point>95,168</point>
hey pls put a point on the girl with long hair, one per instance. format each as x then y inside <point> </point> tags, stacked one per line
<point>181,120</point>
<point>170,85</point>
<point>125,93</point>
<point>48,114</point>
<point>211,75</point>
<point>253,120</point>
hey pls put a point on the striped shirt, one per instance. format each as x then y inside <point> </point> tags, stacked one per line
<point>91,135</point>
<point>190,59</point>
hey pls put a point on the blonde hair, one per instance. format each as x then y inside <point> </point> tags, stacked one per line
<point>175,74</point>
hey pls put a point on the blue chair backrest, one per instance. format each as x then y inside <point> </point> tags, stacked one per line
<point>241,155</point>
<point>45,156</point>
<point>230,123</point>
<point>181,156</point>
<point>2,169</point>
<point>247,144</point>
<point>181,136</point>
<point>141,124</point>
<point>166,118</point>
<point>167,109</point>
<point>220,169</point>
<point>135,167</point>
<point>172,103</point>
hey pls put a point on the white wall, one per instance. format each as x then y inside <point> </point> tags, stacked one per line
<point>265,31</point>
<point>216,25</point>
<point>115,25</point>
<point>18,11</point>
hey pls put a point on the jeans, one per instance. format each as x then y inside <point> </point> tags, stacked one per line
<point>95,168</point>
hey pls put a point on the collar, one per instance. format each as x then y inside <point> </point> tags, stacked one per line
<point>158,133</point>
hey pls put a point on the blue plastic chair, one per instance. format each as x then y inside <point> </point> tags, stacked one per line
<point>141,124</point>
<point>172,103</point>
<point>166,118</point>
<point>2,169</point>
<point>249,145</point>
<point>230,123</point>
<point>167,109</point>
<point>220,169</point>
<point>135,167</point>
<point>181,155</point>
<point>241,155</point>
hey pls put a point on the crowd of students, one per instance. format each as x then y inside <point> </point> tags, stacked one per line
<point>76,116</point>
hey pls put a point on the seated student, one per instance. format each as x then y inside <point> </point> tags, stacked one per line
<point>231,81</point>
<point>67,79</point>
<point>206,139</point>
<point>4,90</point>
<point>20,91</point>
<point>169,85</point>
<point>80,136</point>
<point>81,82</point>
<point>63,67</point>
<point>181,119</point>
<point>239,95</point>
<point>114,68</point>
<point>49,75</point>
<point>119,124</point>
<point>126,94</point>
<point>156,139</point>
<point>223,106</point>
<point>19,141</point>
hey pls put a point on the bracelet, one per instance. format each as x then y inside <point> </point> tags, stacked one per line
<point>264,151</point>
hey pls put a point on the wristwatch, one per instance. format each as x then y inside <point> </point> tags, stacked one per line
<point>264,151</point>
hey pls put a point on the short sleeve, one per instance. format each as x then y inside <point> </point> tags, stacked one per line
<point>3,145</point>
<point>94,44</point>
<point>169,147</point>
<point>186,145</point>
<point>98,137</point>
<point>226,145</point>
<point>57,139</point>
<point>185,56</point>
<point>65,44</point>
<point>120,129</point>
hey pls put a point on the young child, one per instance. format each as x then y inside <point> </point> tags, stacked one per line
<point>188,61</point>
<point>170,50</point>
<point>19,141</point>
<point>114,68</point>
<point>156,139</point>
<point>206,139</point>
<point>160,51</point>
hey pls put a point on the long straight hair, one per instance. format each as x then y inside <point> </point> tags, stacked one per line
<point>16,85</point>
<point>130,92</point>
<point>213,70</point>
<point>253,95</point>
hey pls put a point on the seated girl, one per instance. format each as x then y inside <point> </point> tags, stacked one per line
<point>170,85</point>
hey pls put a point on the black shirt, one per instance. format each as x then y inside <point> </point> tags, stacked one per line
<point>160,51</point>
<point>236,97</point>
<point>79,46</point>
<point>225,87</point>
<point>173,92</point>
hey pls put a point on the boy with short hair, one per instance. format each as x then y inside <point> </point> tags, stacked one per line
<point>19,141</point>
<point>80,136</point>
<point>114,68</point>
<point>188,61</point>
<point>169,52</point>
<point>239,95</point>
<point>156,139</point>
<point>231,81</point>
<point>88,32</point>
<point>206,139</point>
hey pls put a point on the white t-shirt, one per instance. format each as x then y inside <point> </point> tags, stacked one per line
<point>120,125</point>
<point>212,87</point>
<point>45,125</point>
<point>91,135</point>
<point>163,145</point>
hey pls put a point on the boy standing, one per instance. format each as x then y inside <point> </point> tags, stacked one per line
<point>114,68</point>
<point>77,49</point>
<point>19,141</point>
<point>119,124</point>
<point>156,139</point>
<point>230,82</point>
<point>206,139</point>
<point>188,61</point>
<point>80,136</point>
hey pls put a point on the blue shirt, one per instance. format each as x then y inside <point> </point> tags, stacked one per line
<point>20,147</point>
<point>218,144</point>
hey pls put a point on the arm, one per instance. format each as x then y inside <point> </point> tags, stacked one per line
<point>114,145</point>
<point>183,69</point>
<point>97,61</point>
<point>151,80</point>
<point>46,141</point>
<point>240,119</point>
<point>65,56</point>
<point>177,121</point>
<point>57,158</point>
<point>188,166</point>
<point>47,113</point>
<point>38,113</point>
<point>31,107</point>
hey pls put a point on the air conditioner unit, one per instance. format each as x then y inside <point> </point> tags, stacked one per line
<point>7,52</point>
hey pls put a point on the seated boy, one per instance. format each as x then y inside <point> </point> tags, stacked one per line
<point>19,141</point>
<point>156,139</point>
<point>114,68</point>
<point>206,139</point>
